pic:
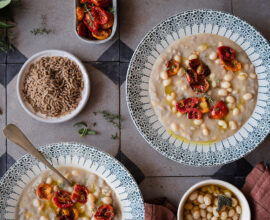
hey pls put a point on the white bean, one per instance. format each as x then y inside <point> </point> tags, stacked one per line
<point>213,55</point>
<point>233,126</point>
<point>242,76</point>
<point>231,213</point>
<point>230,99</point>
<point>200,199</point>
<point>178,114</point>
<point>222,92</point>
<point>223,215</point>
<point>197,121</point>
<point>181,72</point>
<point>192,56</point>
<point>225,85</point>
<point>217,61</point>
<point>220,43</point>
<point>177,58</point>
<point>49,180</point>
<point>193,196</point>
<point>214,218</point>
<point>36,203</point>
<point>252,75</point>
<point>214,84</point>
<point>247,96</point>
<point>91,198</point>
<point>184,87</point>
<point>202,47</point>
<point>203,206</point>
<point>189,217</point>
<point>238,209</point>
<point>222,123</point>
<point>209,209</point>
<point>174,127</point>
<point>229,89</point>
<point>209,215</point>
<point>226,192</point>
<point>215,212</point>
<point>236,111</point>
<point>107,200</point>
<point>43,218</point>
<point>234,202</point>
<point>207,199</point>
<point>228,76</point>
<point>205,132</point>
<point>235,217</point>
<point>187,62</point>
<point>196,214</point>
<point>203,213</point>
<point>167,82</point>
<point>164,75</point>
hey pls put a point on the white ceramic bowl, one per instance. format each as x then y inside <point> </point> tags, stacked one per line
<point>42,117</point>
<point>114,27</point>
<point>242,199</point>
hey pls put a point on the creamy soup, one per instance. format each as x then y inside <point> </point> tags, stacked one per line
<point>47,197</point>
<point>203,88</point>
<point>212,202</point>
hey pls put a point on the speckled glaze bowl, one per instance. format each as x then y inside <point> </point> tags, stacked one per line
<point>76,155</point>
<point>246,139</point>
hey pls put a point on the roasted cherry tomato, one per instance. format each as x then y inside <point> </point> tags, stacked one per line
<point>62,199</point>
<point>109,24</point>
<point>80,13</point>
<point>102,34</point>
<point>101,3</point>
<point>104,212</point>
<point>234,65</point>
<point>67,214</point>
<point>89,22</point>
<point>45,191</point>
<point>100,15</point>
<point>219,111</point>
<point>172,67</point>
<point>85,1</point>
<point>201,87</point>
<point>186,104</point>
<point>197,66</point>
<point>82,30</point>
<point>226,54</point>
<point>80,193</point>
<point>191,76</point>
<point>203,105</point>
<point>194,114</point>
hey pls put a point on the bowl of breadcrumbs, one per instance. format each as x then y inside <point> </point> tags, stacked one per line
<point>53,86</point>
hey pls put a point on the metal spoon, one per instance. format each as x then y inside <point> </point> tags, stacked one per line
<point>14,134</point>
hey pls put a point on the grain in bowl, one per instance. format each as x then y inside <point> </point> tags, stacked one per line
<point>53,86</point>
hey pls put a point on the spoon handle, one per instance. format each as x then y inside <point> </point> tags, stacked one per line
<point>14,134</point>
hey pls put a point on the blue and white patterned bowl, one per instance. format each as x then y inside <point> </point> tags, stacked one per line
<point>76,155</point>
<point>252,133</point>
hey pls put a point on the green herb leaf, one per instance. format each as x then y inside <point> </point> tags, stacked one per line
<point>111,117</point>
<point>43,27</point>
<point>86,9</point>
<point>81,123</point>
<point>111,10</point>
<point>4,3</point>
<point>89,132</point>
<point>114,136</point>
<point>6,25</point>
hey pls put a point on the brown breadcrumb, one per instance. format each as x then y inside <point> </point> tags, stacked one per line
<point>53,86</point>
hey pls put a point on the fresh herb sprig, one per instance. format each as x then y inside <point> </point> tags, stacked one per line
<point>84,130</point>
<point>114,136</point>
<point>111,9</point>
<point>112,118</point>
<point>43,27</point>
<point>205,95</point>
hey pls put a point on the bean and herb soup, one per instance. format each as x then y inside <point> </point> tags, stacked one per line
<point>212,202</point>
<point>203,88</point>
<point>47,197</point>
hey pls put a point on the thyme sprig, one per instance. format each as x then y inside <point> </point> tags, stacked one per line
<point>85,130</point>
<point>43,27</point>
<point>111,118</point>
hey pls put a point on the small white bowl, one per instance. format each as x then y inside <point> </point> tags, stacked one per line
<point>114,27</point>
<point>41,117</point>
<point>242,199</point>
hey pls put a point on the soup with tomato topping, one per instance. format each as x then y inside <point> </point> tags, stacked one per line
<point>48,197</point>
<point>203,88</point>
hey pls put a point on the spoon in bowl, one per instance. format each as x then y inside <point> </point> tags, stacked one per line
<point>14,134</point>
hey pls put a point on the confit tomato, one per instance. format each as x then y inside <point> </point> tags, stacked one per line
<point>198,67</point>
<point>82,30</point>
<point>191,76</point>
<point>201,87</point>
<point>172,67</point>
<point>62,199</point>
<point>110,22</point>
<point>234,65</point>
<point>104,212</point>
<point>102,34</point>
<point>219,111</point>
<point>85,1</point>
<point>101,3</point>
<point>67,214</point>
<point>184,105</point>
<point>203,105</point>
<point>100,16</point>
<point>80,193</point>
<point>226,54</point>
<point>79,13</point>
<point>45,191</point>
<point>89,22</point>
<point>194,114</point>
